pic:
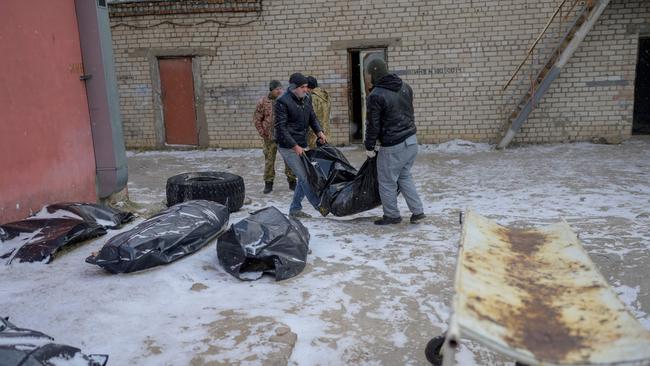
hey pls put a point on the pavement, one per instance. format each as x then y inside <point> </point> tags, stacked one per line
<point>394,284</point>
<point>369,295</point>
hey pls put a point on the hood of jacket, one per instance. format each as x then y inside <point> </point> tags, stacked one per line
<point>391,82</point>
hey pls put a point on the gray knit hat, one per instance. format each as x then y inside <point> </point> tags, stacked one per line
<point>377,69</point>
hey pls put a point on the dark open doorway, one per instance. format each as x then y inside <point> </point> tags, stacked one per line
<point>358,88</point>
<point>641,124</point>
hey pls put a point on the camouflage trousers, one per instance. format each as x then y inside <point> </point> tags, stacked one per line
<point>270,152</point>
<point>311,136</point>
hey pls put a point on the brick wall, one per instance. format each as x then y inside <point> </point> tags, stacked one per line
<point>455,54</point>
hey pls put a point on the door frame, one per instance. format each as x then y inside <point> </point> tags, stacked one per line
<point>359,51</point>
<point>199,95</point>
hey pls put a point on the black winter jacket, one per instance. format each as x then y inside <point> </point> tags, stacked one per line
<point>389,113</point>
<point>292,118</point>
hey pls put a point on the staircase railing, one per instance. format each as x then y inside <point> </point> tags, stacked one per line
<point>541,55</point>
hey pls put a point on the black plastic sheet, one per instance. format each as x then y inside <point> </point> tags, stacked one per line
<point>265,242</point>
<point>341,188</point>
<point>333,163</point>
<point>25,347</point>
<point>326,165</point>
<point>167,236</point>
<point>358,195</point>
<point>331,153</point>
<point>316,175</point>
<point>105,216</point>
<point>38,240</point>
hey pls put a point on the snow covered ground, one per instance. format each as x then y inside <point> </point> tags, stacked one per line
<point>369,295</point>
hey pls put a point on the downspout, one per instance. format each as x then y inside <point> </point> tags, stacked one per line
<point>103,100</point>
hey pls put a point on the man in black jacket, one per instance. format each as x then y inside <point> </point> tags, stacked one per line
<point>390,120</point>
<point>293,116</point>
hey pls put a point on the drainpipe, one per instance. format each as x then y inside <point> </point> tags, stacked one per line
<point>103,100</point>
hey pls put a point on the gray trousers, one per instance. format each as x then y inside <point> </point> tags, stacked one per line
<point>394,171</point>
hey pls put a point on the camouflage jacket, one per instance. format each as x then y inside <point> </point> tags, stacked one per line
<point>320,100</point>
<point>263,117</point>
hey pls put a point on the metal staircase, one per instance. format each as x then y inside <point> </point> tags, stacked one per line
<point>545,59</point>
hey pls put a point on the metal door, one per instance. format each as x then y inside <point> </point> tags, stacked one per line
<point>365,56</point>
<point>177,93</point>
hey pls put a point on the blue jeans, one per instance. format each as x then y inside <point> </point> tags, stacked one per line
<point>292,160</point>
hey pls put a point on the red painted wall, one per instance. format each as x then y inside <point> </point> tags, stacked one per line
<point>46,151</point>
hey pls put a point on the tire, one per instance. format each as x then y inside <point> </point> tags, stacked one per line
<point>220,187</point>
<point>432,350</point>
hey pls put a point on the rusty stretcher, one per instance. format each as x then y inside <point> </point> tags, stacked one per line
<point>535,296</point>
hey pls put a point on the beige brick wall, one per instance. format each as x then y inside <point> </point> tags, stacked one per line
<point>594,96</point>
<point>455,54</point>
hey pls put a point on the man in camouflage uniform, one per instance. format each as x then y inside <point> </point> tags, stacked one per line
<point>263,120</point>
<point>320,101</point>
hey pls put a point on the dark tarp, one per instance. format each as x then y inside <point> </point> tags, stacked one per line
<point>342,189</point>
<point>38,238</point>
<point>334,164</point>
<point>25,347</point>
<point>316,175</point>
<point>167,236</point>
<point>326,165</point>
<point>265,242</point>
<point>105,216</point>
<point>359,195</point>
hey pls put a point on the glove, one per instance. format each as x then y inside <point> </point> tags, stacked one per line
<point>371,153</point>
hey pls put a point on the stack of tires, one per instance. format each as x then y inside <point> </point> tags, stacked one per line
<point>225,188</point>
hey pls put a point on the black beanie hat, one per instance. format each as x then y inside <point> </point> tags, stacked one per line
<point>312,82</point>
<point>297,79</point>
<point>274,84</point>
<point>377,69</point>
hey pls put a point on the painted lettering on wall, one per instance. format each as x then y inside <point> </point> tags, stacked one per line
<point>431,71</point>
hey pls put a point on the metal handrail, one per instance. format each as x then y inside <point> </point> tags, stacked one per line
<point>541,35</point>
<point>555,50</point>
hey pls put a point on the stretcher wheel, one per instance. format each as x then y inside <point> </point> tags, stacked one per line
<point>432,350</point>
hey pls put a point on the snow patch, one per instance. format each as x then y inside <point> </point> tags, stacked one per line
<point>457,146</point>
<point>76,360</point>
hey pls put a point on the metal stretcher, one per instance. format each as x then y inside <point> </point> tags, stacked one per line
<point>535,296</point>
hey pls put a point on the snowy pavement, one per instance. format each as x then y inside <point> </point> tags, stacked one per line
<point>369,295</point>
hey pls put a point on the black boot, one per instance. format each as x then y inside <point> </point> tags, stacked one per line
<point>385,220</point>
<point>268,187</point>
<point>417,218</point>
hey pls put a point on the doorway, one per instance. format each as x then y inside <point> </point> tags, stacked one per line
<point>641,121</point>
<point>177,95</point>
<point>359,87</point>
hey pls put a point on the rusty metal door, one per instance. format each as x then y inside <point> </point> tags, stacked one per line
<point>177,93</point>
<point>535,295</point>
